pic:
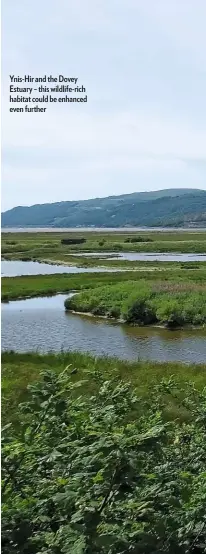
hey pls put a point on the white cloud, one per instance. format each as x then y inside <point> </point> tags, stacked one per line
<point>183,23</point>
<point>144,126</point>
<point>137,134</point>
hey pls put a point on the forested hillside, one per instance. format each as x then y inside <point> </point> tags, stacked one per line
<point>174,207</point>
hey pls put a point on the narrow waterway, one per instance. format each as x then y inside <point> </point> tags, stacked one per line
<point>41,324</point>
<point>146,256</point>
<point>16,268</point>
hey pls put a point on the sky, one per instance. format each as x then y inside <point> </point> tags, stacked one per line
<point>143,63</point>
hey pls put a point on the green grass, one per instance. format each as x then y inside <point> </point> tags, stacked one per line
<point>169,303</point>
<point>69,259</point>
<point>42,285</point>
<point>19,370</point>
<point>47,246</point>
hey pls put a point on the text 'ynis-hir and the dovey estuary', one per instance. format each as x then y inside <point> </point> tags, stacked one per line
<point>32,91</point>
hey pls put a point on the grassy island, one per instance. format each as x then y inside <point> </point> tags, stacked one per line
<point>146,303</point>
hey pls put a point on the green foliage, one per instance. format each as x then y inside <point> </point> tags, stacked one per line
<point>117,246</point>
<point>108,299</point>
<point>183,309</point>
<point>19,370</point>
<point>10,242</point>
<point>170,313</point>
<point>138,309</point>
<point>89,475</point>
<point>42,285</point>
<point>37,285</point>
<point>138,239</point>
<point>76,240</point>
<point>170,304</point>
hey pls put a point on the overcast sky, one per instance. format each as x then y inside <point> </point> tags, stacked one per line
<point>143,63</point>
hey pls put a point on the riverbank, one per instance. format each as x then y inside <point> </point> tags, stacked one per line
<point>30,286</point>
<point>20,370</point>
<point>121,321</point>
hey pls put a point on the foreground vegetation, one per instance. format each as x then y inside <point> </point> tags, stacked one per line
<point>103,472</point>
<point>20,370</point>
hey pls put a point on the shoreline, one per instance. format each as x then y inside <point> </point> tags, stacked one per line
<point>36,229</point>
<point>123,322</point>
<point>122,265</point>
<point>43,295</point>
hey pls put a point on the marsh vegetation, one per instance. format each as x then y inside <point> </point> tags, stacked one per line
<point>144,302</point>
<point>58,247</point>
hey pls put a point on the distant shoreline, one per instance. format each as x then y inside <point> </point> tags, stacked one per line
<point>100,229</point>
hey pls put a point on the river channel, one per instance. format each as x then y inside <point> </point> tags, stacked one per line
<point>16,268</point>
<point>146,256</point>
<point>41,324</point>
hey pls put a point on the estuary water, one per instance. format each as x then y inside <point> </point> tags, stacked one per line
<point>16,268</point>
<point>146,256</point>
<point>41,324</point>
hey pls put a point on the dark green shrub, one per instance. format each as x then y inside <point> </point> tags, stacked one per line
<point>170,313</point>
<point>138,309</point>
<point>190,265</point>
<point>79,240</point>
<point>5,298</point>
<point>114,312</point>
<point>117,246</point>
<point>138,239</point>
<point>98,310</point>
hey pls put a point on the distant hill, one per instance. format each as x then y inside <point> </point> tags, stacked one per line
<point>172,207</point>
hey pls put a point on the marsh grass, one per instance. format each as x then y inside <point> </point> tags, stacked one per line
<point>42,285</point>
<point>19,370</point>
<point>41,245</point>
<point>143,302</point>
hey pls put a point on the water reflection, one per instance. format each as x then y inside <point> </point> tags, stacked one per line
<point>42,324</point>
